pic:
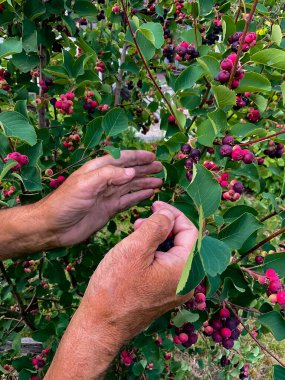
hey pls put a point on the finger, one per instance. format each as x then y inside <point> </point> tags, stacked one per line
<point>138,223</point>
<point>140,184</point>
<point>129,158</point>
<point>106,176</point>
<point>129,200</point>
<point>153,168</point>
<point>152,232</point>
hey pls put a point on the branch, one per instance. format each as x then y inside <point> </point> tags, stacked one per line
<point>252,142</point>
<point>151,77</point>
<point>120,76</point>
<point>42,110</point>
<point>17,297</point>
<point>263,348</point>
<point>270,237</point>
<point>238,12</point>
<point>239,53</point>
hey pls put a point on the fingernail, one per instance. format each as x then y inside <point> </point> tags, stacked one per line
<point>130,172</point>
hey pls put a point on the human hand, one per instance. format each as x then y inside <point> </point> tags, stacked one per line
<point>86,201</point>
<point>134,284</point>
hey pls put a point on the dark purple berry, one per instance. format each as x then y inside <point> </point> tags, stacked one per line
<point>216,324</point>
<point>279,153</point>
<point>228,140</point>
<point>248,158</point>
<point>166,245</point>
<point>232,323</point>
<point>223,77</point>
<point>228,343</point>
<point>195,154</point>
<point>186,149</point>
<point>217,337</point>
<point>259,259</point>
<point>188,328</point>
<point>235,334</point>
<point>189,164</point>
<point>189,175</point>
<point>226,150</point>
<point>193,338</point>
<point>225,361</point>
<point>238,187</point>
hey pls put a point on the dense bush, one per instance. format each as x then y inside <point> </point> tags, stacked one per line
<point>77,79</point>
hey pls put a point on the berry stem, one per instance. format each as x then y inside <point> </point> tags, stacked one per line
<point>262,347</point>
<point>252,142</point>
<point>120,76</point>
<point>239,53</point>
<point>151,77</point>
<point>42,109</point>
<point>238,12</point>
<point>270,237</point>
<point>17,297</point>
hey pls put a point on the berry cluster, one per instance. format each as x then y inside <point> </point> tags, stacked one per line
<point>253,115</point>
<point>103,107</point>
<point>39,361</point>
<point>55,183</point>
<point>90,104</point>
<point>179,4</point>
<point>227,66</point>
<point>21,160</point>
<point>30,265</point>
<point>185,335</point>
<point>212,37</point>
<point>127,357</point>
<point>8,192</point>
<point>100,66</point>
<point>186,52</point>
<point>223,329</point>
<point>235,40</point>
<point>242,100</point>
<point>234,188</point>
<point>225,361</point>
<point>199,300</point>
<point>235,152</point>
<point>210,165</point>
<point>244,372</point>
<point>168,53</point>
<point>275,289</point>
<point>193,156</point>
<point>71,140</point>
<point>65,103</point>
<point>4,75</point>
<point>116,9</point>
<point>274,150</point>
<point>101,16</point>
<point>45,84</point>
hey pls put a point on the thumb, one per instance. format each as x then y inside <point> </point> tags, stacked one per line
<point>150,233</point>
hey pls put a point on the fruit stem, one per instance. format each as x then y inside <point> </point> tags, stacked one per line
<point>246,27</point>
<point>252,142</point>
<point>151,77</point>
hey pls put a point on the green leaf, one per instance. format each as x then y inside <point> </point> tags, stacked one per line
<point>224,96</point>
<point>210,65</point>
<point>114,152</point>
<point>34,9</point>
<point>206,133</point>
<point>236,233</point>
<point>192,279</point>
<point>115,122</point>
<point>278,373</point>
<point>188,77</point>
<point>21,107</point>
<point>183,317</point>
<point>206,6</point>
<point>146,40</point>
<point>229,27</point>
<point>10,46</point>
<point>31,178</point>
<point>17,126</point>
<point>30,36</point>
<point>260,101</point>
<point>199,191</point>
<point>94,132</point>
<point>7,167</point>
<point>276,262</point>
<point>283,92</point>
<point>253,82</point>
<point>247,129</point>
<point>276,35</point>
<point>85,8</point>
<point>186,272</point>
<point>157,31</point>
<point>270,57</point>
<point>274,322</point>
<point>25,62</point>
<point>215,256</point>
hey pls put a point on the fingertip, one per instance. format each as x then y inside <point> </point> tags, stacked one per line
<point>138,223</point>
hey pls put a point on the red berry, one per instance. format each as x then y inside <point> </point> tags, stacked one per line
<point>225,332</point>
<point>224,313</point>
<point>281,297</point>
<point>183,337</point>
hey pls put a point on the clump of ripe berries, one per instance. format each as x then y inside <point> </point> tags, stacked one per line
<point>116,9</point>
<point>55,183</point>
<point>21,160</point>
<point>213,37</point>
<point>39,361</point>
<point>242,100</point>
<point>210,165</point>
<point>236,153</point>
<point>100,66</point>
<point>227,66</point>
<point>199,300</point>
<point>253,115</point>
<point>168,52</point>
<point>103,107</point>
<point>127,357</point>
<point>234,188</point>
<point>223,328</point>
<point>185,335</point>
<point>274,150</point>
<point>244,372</point>
<point>235,40</point>
<point>71,141</point>
<point>8,192</point>
<point>192,155</point>
<point>186,52</point>
<point>275,288</point>
<point>90,104</point>
<point>65,103</point>
<point>225,361</point>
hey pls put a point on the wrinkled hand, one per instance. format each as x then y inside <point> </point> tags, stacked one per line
<point>86,201</point>
<point>135,283</point>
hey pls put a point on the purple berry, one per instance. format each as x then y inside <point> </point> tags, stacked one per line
<point>186,149</point>
<point>195,154</point>
<point>189,175</point>
<point>235,334</point>
<point>227,65</point>
<point>181,50</point>
<point>226,150</point>
<point>189,164</point>
<point>228,343</point>
<point>223,77</point>
<point>217,337</point>
<point>259,259</point>
<point>249,158</point>
<point>238,187</point>
<point>193,338</point>
<point>216,324</point>
<point>232,323</point>
<point>228,140</point>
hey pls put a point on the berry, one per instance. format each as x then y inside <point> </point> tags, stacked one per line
<point>217,337</point>
<point>224,313</point>
<point>228,140</point>
<point>238,188</point>
<point>223,77</point>
<point>208,330</point>
<point>232,323</point>
<point>176,340</point>
<point>193,338</point>
<point>235,334</point>
<point>188,328</point>
<point>253,115</point>
<point>271,274</point>
<point>227,65</point>
<point>195,154</point>
<point>226,332</point>
<point>248,158</point>
<point>200,298</point>
<point>228,343</point>
<point>259,259</point>
<point>226,150</point>
<point>186,149</point>
<point>281,297</point>
<point>183,337</point>
<point>225,361</point>
<point>216,324</point>
<point>274,286</point>
<point>189,176</point>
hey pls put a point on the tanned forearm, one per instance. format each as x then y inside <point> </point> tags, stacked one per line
<point>22,231</point>
<point>87,348</point>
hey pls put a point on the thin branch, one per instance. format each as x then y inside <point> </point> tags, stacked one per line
<point>17,297</point>
<point>252,142</point>
<point>120,76</point>
<point>269,238</point>
<point>151,77</point>
<point>238,12</point>
<point>268,216</point>
<point>239,53</point>
<point>263,348</point>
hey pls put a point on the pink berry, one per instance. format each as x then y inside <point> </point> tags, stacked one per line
<point>227,64</point>
<point>200,298</point>
<point>273,298</point>
<point>224,313</point>
<point>183,337</point>
<point>208,330</point>
<point>281,297</point>
<point>271,274</point>
<point>176,340</point>
<point>225,332</point>
<point>274,286</point>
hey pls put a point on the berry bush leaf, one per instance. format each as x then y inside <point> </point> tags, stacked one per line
<point>17,126</point>
<point>270,57</point>
<point>274,322</point>
<point>215,256</point>
<point>224,96</point>
<point>115,122</point>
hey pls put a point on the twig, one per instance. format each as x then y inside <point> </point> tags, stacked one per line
<point>17,297</point>
<point>272,236</point>
<point>263,138</point>
<point>268,216</point>
<point>246,27</point>
<point>151,77</point>
<point>263,348</point>
<point>238,13</point>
